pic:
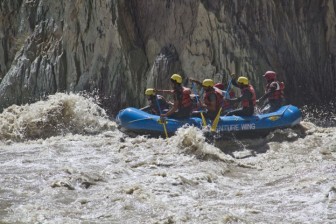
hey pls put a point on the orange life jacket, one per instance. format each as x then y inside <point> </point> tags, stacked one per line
<point>246,102</point>
<point>278,93</point>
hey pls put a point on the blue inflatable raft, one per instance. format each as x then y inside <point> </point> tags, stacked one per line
<point>138,121</point>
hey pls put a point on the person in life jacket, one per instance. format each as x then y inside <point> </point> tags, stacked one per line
<point>247,98</point>
<point>182,104</point>
<point>213,98</point>
<point>274,93</point>
<point>155,101</point>
<point>227,106</point>
<point>196,104</point>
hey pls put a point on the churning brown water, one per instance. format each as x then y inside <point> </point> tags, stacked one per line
<point>64,161</point>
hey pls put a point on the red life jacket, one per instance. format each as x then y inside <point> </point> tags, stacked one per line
<point>185,99</point>
<point>245,102</point>
<point>219,97</point>
<point>278,93</point>
<point>226,103</point>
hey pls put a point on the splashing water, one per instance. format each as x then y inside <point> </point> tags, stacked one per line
<point>59,114</point>
<point>322,115</point>
<point>67,163</point>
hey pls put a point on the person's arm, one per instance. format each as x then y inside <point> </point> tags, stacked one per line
<point>234,100</point>
<point>234,80</point>
<point>272,89</point>
<point>146,108</point>
<point>172,110</point>
<point>166,101</point>
<point>195,81</point>
<point>246,95</point>
<point>164,91</point>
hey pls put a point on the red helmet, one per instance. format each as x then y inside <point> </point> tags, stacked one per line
<point>219,86</point>
<point>270,75</point>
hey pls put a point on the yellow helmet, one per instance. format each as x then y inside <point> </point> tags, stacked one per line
<point>208,83</point>
<point>177,78</point>
<point>150,92</point>
<point>243,80</point>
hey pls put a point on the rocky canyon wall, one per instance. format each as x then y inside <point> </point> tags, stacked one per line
<point>117,48</point>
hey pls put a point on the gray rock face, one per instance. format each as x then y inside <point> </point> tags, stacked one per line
<point>118,48</point>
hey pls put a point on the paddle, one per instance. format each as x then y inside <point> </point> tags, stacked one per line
<point>203,118</point>
<point>146,108</point>
<point>216,120</point>
<point>161,121</point>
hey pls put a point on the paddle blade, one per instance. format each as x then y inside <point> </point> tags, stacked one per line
<point>216,120</point>
<point>165,129</point>
<point>203,120</point>
<point>163,122</point>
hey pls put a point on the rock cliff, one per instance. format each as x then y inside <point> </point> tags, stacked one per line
<point>117,48</point>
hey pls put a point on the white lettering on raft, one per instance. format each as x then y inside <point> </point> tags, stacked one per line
<point>238,127</point>
<point>248,126</point>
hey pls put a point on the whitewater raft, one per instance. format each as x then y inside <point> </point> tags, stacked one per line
<point>138,121</point>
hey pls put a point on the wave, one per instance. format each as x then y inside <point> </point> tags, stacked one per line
<point>59,114</point>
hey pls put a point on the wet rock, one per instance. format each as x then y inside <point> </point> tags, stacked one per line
<point>117,49</point>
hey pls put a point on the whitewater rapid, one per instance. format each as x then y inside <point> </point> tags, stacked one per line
<point>64,161</point>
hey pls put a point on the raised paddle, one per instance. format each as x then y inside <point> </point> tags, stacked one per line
<point>216,120</point>
<point>161,121</point>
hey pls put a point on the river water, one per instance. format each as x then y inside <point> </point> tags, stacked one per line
<point>64,161</point>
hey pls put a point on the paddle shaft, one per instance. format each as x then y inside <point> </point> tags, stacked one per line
<point>162,122</point>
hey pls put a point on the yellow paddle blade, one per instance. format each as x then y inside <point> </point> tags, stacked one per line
<point>164,122</point>
<point>203,120</point>
<point>216,120</point>
<point>165,129</point>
